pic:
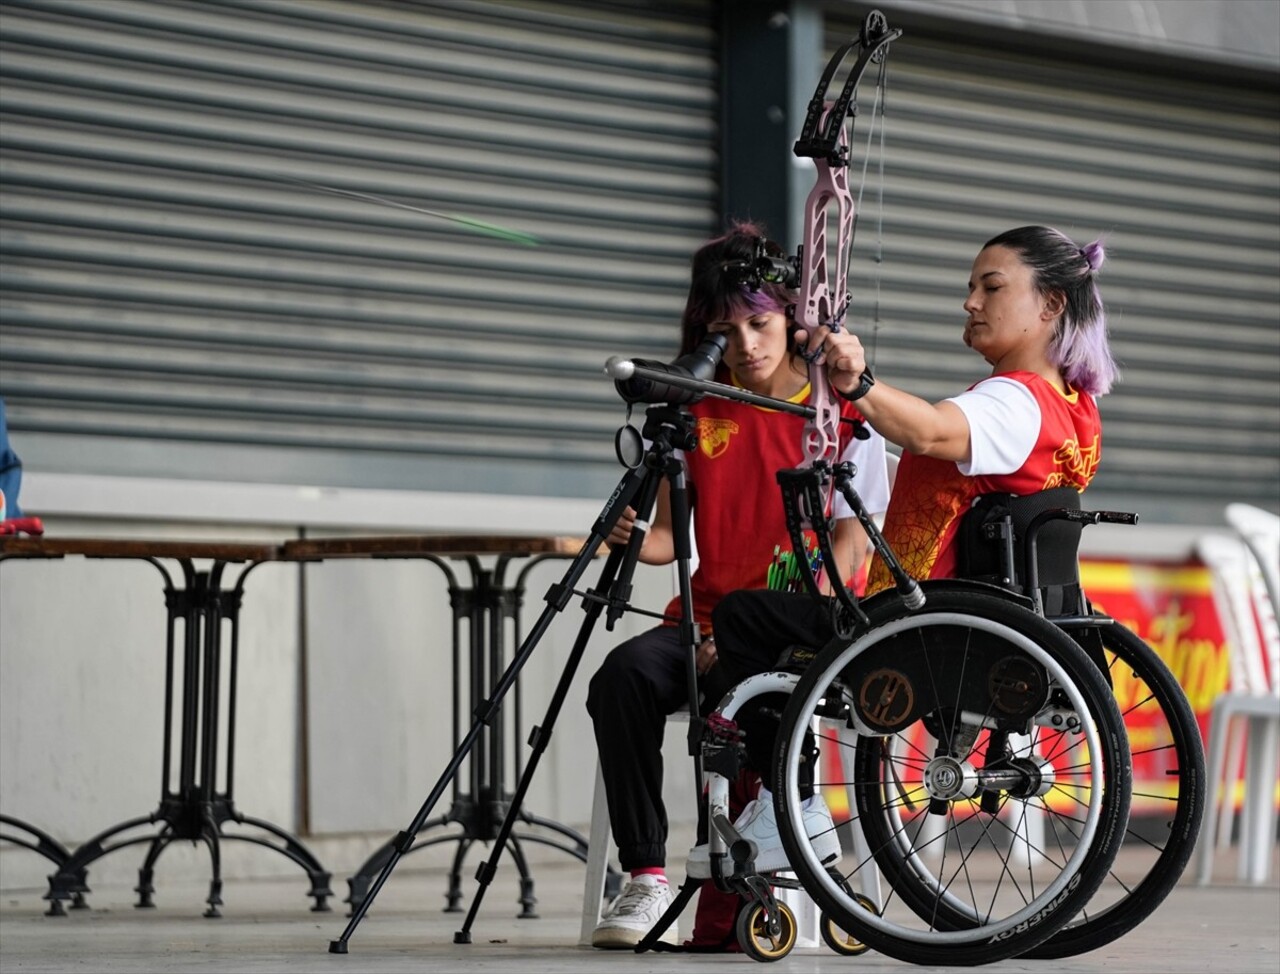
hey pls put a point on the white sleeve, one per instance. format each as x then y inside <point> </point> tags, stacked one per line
<point>871,478</point>
<point>1004,424</point>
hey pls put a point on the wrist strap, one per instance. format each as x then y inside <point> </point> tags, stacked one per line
<point>864,386</point>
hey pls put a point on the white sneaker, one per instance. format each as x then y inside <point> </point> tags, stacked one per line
<point>634,913</point>
<point>759,824</point>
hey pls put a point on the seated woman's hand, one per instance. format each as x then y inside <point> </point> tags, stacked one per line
<point>706,656</point>
<point>621,533</point>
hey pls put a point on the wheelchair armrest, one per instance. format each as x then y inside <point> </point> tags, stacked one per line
<point>1112,517</point>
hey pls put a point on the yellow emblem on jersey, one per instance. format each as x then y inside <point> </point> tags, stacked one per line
<point>1074,465</point>
<point>714,434</point>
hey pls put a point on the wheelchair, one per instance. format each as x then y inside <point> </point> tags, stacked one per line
<point>983,747</point>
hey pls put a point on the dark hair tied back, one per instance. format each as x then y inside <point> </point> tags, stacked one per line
<point>1059,266</point>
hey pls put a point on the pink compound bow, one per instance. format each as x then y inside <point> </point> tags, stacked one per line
<point>824,300</point>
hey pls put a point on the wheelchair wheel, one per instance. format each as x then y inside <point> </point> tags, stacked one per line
<point>990,777</point>
<point>755,938</point>
<point>1168,798</point>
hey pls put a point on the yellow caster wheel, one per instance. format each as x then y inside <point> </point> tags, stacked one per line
<point>837,937</point>
<point>755,937</point>
<point>840,940</point>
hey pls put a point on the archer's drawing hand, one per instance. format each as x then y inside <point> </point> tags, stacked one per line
<point>841,352</point>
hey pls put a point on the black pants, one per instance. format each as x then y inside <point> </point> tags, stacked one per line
<point>643,680</point>
<point>639,683</point>
<point>753,630</point>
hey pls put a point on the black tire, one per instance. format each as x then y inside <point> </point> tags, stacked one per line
<point>754,937</point>
<point>971,646</point>
<point>1139,882</point>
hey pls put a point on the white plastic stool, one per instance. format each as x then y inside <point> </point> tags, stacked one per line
<point>1261,716</point>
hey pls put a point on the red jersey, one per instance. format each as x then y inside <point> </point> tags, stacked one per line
<point>930,496</point>
<point>738,521</point>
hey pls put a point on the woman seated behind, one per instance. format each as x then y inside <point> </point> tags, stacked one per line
<point>738,525</point>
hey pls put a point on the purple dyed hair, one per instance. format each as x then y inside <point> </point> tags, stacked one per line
<point>1079,347</point>
<point>716,293</point>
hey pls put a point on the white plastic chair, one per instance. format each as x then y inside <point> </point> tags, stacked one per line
<point>599,845</point>
<point>1260,532</point>
<point>1247,716</point>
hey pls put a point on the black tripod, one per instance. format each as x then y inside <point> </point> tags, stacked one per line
<point>668,429</point>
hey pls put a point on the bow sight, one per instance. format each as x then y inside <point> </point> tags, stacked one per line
<point>767,265</point>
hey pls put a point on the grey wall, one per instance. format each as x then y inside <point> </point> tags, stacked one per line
<point>1240,32</point>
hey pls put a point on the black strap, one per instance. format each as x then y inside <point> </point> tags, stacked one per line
<point>681,900</point>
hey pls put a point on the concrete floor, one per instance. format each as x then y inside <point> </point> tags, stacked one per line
<point>267,927</point>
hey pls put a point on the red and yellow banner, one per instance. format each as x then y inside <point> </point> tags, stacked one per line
<point>1171,607</point>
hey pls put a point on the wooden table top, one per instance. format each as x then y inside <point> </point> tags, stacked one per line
<point>56,547</point>
<point>307,549</point>
<point>430,544</point>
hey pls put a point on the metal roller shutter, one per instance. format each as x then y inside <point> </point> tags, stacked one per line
<point>1179,174</point>
<point>175,306</point>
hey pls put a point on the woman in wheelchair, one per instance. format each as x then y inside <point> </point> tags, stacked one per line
<point>1034,313</point>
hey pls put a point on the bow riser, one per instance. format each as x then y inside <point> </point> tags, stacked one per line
<point>824,296</point>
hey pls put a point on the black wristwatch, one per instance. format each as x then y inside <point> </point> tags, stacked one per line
<point>864,386</point>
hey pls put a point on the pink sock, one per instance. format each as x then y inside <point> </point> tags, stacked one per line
<point>658,872</point>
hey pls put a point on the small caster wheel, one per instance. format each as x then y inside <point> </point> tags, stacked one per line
<point>841,940</point>
<point>756,939</point>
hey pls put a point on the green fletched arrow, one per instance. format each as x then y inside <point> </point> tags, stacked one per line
<point>471,223</point>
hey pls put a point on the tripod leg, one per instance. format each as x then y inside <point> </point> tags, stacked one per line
<point>539,739</point>
<point>557,598</point>
<point>621,563</point>
<point>689,634</point>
